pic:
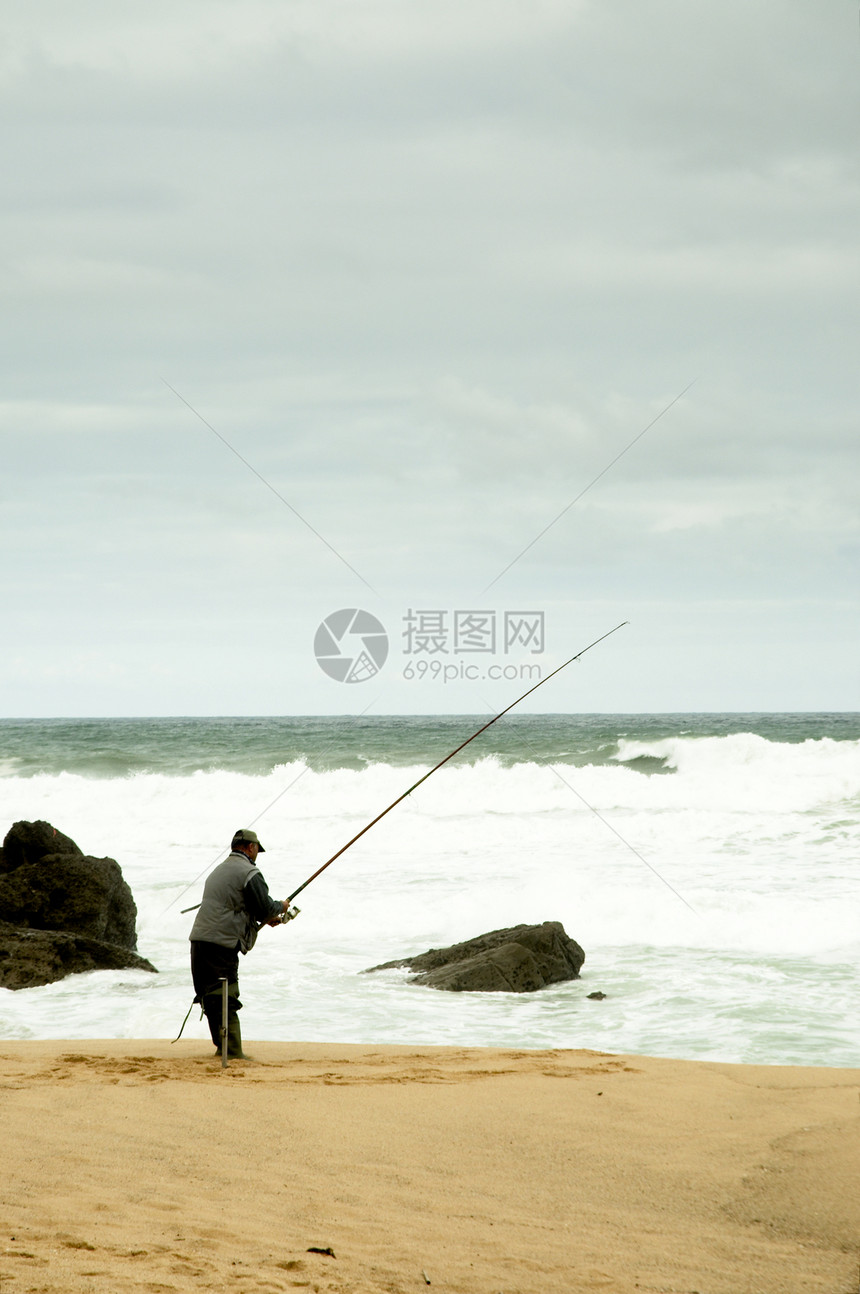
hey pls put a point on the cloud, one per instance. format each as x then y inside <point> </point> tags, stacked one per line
<point>429,268</point>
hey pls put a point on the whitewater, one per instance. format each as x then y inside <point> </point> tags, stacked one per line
<point>708,865</point>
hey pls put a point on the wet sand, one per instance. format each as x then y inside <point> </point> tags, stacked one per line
<point>143,1166</point>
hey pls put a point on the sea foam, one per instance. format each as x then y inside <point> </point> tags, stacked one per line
<point>717,901</point>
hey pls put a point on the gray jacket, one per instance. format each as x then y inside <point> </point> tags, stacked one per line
<point>236,904</point>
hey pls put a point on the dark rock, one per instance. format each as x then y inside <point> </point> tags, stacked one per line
<point>31,958</point>
<point>596,997</point>
<point>87,896</point>
<point>521,959</point>
<point>27,842</point>
<point>61,911</point>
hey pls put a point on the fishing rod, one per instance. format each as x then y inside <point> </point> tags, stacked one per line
<point>436,767</point>
<point>290,912</point>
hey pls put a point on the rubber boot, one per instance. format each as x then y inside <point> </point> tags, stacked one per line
<point>213,1009</point>
<point>234,1038</point>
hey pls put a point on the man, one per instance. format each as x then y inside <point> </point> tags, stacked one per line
<point>236,905</point>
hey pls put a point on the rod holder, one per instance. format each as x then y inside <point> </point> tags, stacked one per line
<point>224,1061</point>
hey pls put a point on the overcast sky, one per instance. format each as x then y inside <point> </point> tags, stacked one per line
<point>428,267</point>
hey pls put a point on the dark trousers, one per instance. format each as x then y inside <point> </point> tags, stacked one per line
<point>210,963</point>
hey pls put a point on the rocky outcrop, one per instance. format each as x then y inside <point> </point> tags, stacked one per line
<point>521,959</point>
<point>31,958</point>
<point>61,911</point>
<point>27,842</point>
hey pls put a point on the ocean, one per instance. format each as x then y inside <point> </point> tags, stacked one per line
<point>707,863</point>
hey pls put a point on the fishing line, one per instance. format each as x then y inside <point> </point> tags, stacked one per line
<point>523,738</point>
<point>280,795</point>
<point>323,540</point>
<point>350,567</point>
<point>269,486</point>
<point>607,468</point>
<point>522,553</point>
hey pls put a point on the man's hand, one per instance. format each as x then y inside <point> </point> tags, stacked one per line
<point>284,916</point>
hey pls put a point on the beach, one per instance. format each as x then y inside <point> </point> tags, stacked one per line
<point>138,1165</point>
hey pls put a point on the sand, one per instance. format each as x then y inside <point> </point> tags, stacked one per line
<point>143,1166</point>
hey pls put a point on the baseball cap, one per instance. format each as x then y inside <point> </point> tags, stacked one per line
<point>244,836</point>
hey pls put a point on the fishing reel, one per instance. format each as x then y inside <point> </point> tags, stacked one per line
<point>289,914</point>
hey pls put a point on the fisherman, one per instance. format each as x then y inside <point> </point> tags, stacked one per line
<point>236,905</point>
